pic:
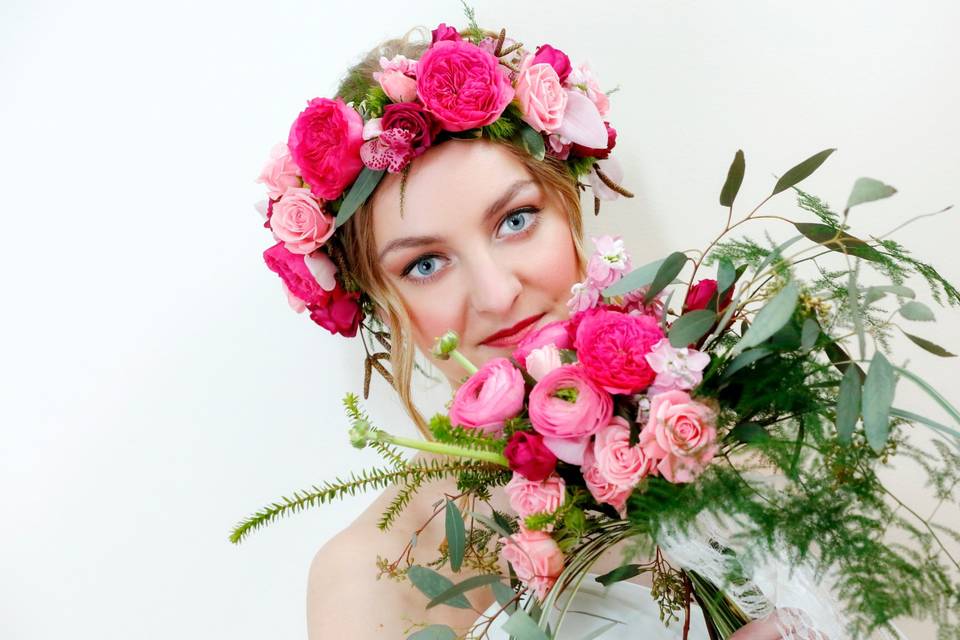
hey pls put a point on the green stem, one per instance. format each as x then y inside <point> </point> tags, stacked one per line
<point>443,449</point>
<point>462,360</point>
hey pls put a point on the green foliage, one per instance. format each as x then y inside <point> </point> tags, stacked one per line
<point>473,32</point>
<point>817,207</point>
<point>580,166</point>
<point>374,100</point>
<point>506,126</point>
<point>444,431</point>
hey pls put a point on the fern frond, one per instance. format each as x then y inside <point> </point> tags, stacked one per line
<point>399,503</point>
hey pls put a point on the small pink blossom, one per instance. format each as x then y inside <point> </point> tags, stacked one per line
<point>680,369</point>
<point>298,221</point>
<point>543,360</point>
<point>391,151</point>
<point>280,172</point>
<point>584,296</point>
<point>542,99</point>
<point>528,497</point>
<point>608,263</point>
<point>582,77</point>
<point>633,303</point>
<point>535,557</point>
<point>681,433</point>
<point>489,397</point>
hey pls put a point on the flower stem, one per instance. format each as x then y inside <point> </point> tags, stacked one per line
<point>462,360</point>
<point>443,449</point>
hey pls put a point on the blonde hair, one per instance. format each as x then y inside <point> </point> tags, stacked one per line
<point>551,174</point>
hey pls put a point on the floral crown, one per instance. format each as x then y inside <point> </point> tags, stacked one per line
<point>468,85</point>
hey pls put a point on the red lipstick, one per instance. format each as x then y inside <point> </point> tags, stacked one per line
<point>511,336</point>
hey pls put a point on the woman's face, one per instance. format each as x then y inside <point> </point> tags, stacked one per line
<point>480,249</point>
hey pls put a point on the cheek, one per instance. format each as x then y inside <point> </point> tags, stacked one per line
<point>550,266</point>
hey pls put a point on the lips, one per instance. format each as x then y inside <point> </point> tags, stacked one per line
<point>512,336</point>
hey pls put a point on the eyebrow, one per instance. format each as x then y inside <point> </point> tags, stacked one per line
<point>492,210</point>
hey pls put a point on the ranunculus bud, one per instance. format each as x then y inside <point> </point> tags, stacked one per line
<point>529,457</point>
<point>360,434</point>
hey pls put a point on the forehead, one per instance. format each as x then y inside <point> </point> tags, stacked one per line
<point>445,187</point>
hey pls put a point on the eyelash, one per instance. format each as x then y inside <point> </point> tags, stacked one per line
<point>405,274</point>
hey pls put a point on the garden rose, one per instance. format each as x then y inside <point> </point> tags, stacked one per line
<point>397,78</point>
<point>543,360</point>
<point>308,281</point>
<point>338,313</point>
<point>612,348</point>
<point>555,58</point>
<point>566,408</point>
<point>535,557</point>
<point>528,456</point>
<point>554,333</point>
<point>602,489</point>
<point>528,497</point>
<point>489,397</point>
<point>411,117</point>
<point>618,462</point>
<point>280,172</point>
<point>325,143</point>
<point>681,433</point>
<point>542,98</point>
<point>298,221</point>
<point>462,85</point>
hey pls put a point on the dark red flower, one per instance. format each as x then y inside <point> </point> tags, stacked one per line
<point>555,58</point>
<point>600,154</point>
<point>529,457</point>
<point>701,293</point>
<point>339,312</point>
<point>411,117</point>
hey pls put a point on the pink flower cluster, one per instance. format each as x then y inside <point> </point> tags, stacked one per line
<point>608,264</point>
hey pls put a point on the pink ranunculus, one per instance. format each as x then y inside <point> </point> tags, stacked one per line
<point>392,151</point>
<point>617,461</point>
<point>535,557</point>
<point>566,407</point>
<point>609,262</point>
<point>543,360</point>
<point>602,489</point>
<point>280,172</point>
<point>699,295</point>
<point>398,86</point>
<point>582,77</point>
<point>411,117</point>
<point>298,221</point>
<point>338,313</point>
<point>528,456</point>
<point>555,58</point>
<point>489,397</point>
<point>676,368</point>
<point>554,333</point>
<point>443,32</point>
<point>528,497</point>
<point>310,283</point>
<point>600,154</point>
<point>612,347</point>
<point>584,296</point>
<point>325,143</point>
<point>462,85</point>
<point>542,98</point>
<point>681,433</point>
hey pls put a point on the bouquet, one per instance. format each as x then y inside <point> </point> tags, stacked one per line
<point>719,425</point>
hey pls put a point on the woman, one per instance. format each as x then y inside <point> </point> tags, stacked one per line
<point>474,235</point>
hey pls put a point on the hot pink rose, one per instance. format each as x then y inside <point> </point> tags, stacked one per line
<point>554,333</point>
<point>462,85</point>
<point>542,98</point>
<point>602,489</point>
<point>443,32</point>
<point>612,347</point>
<point>325,143</point>
<point>555,58</point>
<point>681,433</point>
<point>616,460</point>
<point>411,117</point>
<point>308,278</point>
<point>489,397</point>
<point>280,172</point>
<point>528,456</point>
<point>528,497</point>
<point>338,313</point>
<point>566,408</point>
<point>298,221</point>
<point>536,558</point>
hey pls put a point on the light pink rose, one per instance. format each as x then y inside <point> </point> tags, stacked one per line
<point>542,99</point>
<point>676,368</point>
<point>554,333</point>
<point>536,558</point>
<point>543,360</point>
<point>280,172</point>
<point>681,433</point>
<point>566,408</point>
<point>582,77</point>
<point>618,462</point>
<point>602,489</point>
<point>528,497</point>
<point>489,397</point>
<point>397,86</point>
<point>609,262</point>
<point>298,221</point>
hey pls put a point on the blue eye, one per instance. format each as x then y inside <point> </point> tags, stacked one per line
<point>423,268</point>
<point>518,221</point>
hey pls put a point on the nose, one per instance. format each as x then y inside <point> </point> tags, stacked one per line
<point>494,285</point>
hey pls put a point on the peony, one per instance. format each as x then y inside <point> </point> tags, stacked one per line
<point>602,489</point>
<point>543,360</point>
<point>280,172</point>
<point>308,278</point>
<point>462,85</point>
<point>612,348</point>
<point>700,294</point>
<point>681,433</point>
<point>325,143</point>
<point>608,263</point>
<point>535,557</point>
<point>489,397</point>
<point>566,408</point>
<point>554,333</point>
<point>528,456</point>
<point>617,462</point>
<point>555,58</point>
<point>676,368</point>
<point>528,497</point>
<point>298,221</point>
<point>542,98</point>
<point>338,313</point>
<point>411,117</point>
<point>443,32</point>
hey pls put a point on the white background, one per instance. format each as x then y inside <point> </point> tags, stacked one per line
<point>155,386</point>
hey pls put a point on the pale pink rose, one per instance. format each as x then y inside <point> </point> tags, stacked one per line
<point>542,99</point>
<point>543,360</point>
<point>681,433</point>
<point>528,497</point>
<point>397,86</point>
<point>281,172</point>
<point>609,262</point>
<point>583,296</point>
<point>602,489</point>
<point>554,333</point>
<point>618,462</point>
<point>536,558</point>
<point>489,397</point>
<point>298,221</point>
<point>582,77</point>
<point>676,368</point>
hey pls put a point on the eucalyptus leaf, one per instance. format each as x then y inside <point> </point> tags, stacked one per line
<point>876,292</point>
<point>521,626</point>
<point>933,424</point>
<point>771,317</point>
<point>801,171</point>
<point>868,190</point>
<point>749,432</point>
<point>671,267</point>
<point>620,574</point>
<point>917,311</point>
<point>848,405</point>
<point>930,391</point>
<point>490,523</point>
<point>474,582</point>
<point>809,334</point>
<point>434,632</point>
<point>456,535</point>
<point>878,391</point>
<point>926,345</point>
<point>364,185</point>
<point>734,179</point>
<point>532,141</point>
<point>690,327</point>
<point>639,277</point>
<point>726,275</point>
<point>505,596</point>
<point>839,241</point>
<point>432,584</point>
<point>745,359</point>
